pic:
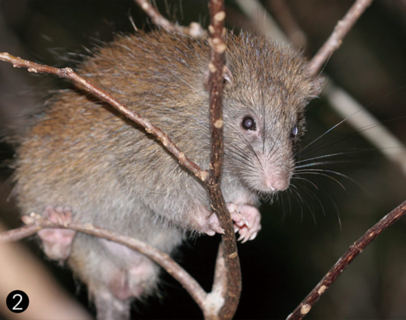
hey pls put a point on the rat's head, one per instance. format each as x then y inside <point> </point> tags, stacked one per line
<point>266,90</point>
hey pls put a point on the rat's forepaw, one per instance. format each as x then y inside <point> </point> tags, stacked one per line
<point>57,243</point>
<point>247,220</point>
<point>214,225</point>
<point>206,222</point>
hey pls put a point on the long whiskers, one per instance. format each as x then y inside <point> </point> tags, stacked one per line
<point>328,131</point>
<point>344,153</point>
<point>324,175</point>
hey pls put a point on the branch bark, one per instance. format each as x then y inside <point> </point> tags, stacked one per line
<point>227,262</point>
<point>283,14</point>
<point>305,306</point>
<point>35,223</point>
<point>195,29</point>
<point>68,73</point>
<point>229,247</point>
<point>336,38</point>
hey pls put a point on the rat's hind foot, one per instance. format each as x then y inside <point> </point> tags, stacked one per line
<point>57,243</point>
<point>108,307</point>
<point>247,220</point>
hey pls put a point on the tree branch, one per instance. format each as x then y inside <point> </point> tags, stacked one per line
<point>228,291</point>
<point>306,305</point>
<point>283,14</point>
<point>35,223</point>
<point>341,101</point>
<point>68,73</point>
<point>195,29</point>
<point>336,38</point>
<point>232,290</point>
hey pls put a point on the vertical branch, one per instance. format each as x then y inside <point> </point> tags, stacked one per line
<point>229,246</point>
<point>216,65</point>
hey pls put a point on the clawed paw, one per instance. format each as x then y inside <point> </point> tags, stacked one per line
<point>57,243</point>
<point>247,221</point>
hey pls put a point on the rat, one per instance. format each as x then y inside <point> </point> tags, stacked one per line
<point>81,160</point>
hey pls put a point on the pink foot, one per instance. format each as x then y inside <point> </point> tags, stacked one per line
<point>247,220</point>
<point>57,243</point>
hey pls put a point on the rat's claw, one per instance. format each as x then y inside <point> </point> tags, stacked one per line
<point>239,219</point>
<point>247,220</point>
<point>57,243</point>
<point>214,225</point>
<point>254,236</point>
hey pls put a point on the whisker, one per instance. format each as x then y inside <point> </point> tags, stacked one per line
<point>307,180</point>
<point>297,196</point>
<point>341,175</point>
<point>337,210</point>
<point>355,133</point>
<point>311,211</point>
<point>324,163</point>
<point>328,131</point>
<point>325,175</point>
<point>335,154</point>
<point>313,195</point>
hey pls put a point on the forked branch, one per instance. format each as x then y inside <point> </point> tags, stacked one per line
<point>228,256</point>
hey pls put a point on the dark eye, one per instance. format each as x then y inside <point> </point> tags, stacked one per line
<point>248,123</point>
<point>295,131</point>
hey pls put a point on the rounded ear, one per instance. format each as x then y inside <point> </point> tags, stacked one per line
<point>318,86</point>
<point>227,76</point>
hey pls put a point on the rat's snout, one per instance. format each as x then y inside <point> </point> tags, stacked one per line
<point>277,174</point>
<point>277,182</point>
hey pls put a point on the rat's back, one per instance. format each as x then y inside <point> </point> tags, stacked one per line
<point>82,160</point>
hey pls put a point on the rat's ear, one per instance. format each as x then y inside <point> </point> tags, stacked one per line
<point>227,75</point>
<point>318,86</point>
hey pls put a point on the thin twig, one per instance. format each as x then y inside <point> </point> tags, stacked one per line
<point>346,259</point>
<point>217,31</point>
<point>20,268</point>
<point>336,38</point>
<point>19,233</point>
<point>264,23</point>
<point>283,14</point>
<point>195,29</point>
<point>36,222</point>
<point>68,73</point>
<point>367,125</point>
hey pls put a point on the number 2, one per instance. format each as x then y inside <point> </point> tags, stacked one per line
<point>21,299</point>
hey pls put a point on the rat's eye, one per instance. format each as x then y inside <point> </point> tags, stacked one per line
<point>248,123</point>
<point>295,131</point>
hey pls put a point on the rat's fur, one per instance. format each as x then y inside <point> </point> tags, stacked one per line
<point>111,173</point>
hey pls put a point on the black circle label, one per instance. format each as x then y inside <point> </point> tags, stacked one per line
<point>17,301</point>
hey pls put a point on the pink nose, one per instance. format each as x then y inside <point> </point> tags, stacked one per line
<point>278,183</point>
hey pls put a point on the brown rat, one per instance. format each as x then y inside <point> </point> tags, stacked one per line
<point>82,160</point>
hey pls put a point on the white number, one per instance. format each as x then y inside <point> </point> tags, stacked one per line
<point>21,299</point>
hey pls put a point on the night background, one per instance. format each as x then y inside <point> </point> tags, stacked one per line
<point>302,235</point>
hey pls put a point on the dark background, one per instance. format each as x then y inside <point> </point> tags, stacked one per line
<point>302,237</point>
